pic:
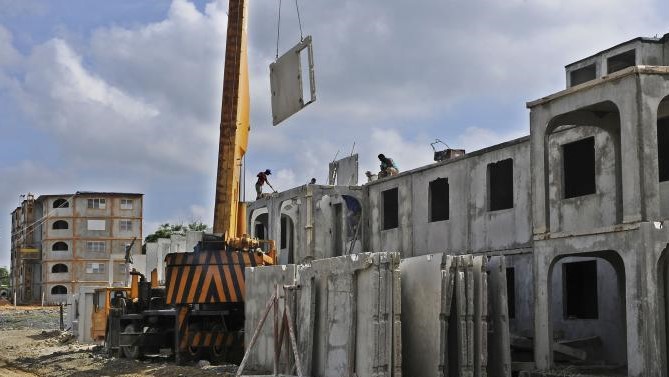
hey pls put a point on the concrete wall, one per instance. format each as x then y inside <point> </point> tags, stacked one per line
<point>347,314</point>
<point>471,226</point>
<point>566,214</point>
<point>315,228</point>
<point>156,251</point>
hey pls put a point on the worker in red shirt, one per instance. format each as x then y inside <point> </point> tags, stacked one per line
<point>262,179</point>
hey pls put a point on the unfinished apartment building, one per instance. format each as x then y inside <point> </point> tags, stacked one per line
<point>25,271</point>
<point>73,241</point>
<point>578,208</point>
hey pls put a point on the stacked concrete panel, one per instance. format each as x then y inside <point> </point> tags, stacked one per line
<point>450,293</point>
<point>348,315</point>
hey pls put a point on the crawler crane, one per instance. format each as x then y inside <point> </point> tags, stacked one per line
<point>199,312</point>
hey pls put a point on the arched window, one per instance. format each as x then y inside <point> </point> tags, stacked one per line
<point>58,290</point>
<point>58,268</point>
<point>60,224</point>
<point>61,203</point>
<point>59,246</point>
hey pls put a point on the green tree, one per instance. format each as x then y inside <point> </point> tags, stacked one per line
<point>166,230</point>
<point>4,276</point>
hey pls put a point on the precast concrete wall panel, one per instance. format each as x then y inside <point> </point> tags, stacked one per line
<point>347,315</point>
<point>499,348</point>
<point>260,285</point>
<point>427,286</point>
<point>361,338</point>
<point>449,293</point>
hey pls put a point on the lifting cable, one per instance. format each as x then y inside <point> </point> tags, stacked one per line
<point>278,26</point>
<point>299,21</point>
<point>278,31</point>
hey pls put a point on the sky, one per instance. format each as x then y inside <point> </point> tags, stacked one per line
<point>124,95</point>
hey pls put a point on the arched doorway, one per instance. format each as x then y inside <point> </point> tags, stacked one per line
<point>587,310</point>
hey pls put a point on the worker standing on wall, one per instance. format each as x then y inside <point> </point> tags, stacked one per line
<point>388,167</point>
<point>262,179</point>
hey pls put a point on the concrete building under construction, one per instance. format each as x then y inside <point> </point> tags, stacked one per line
<point>63,242</point>
<point>579,209</point>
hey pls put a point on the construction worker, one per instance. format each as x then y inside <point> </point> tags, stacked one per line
<point>388,167</point>
<point>262,179</point>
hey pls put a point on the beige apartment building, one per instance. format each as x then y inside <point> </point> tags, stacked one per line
<point>65,242</point>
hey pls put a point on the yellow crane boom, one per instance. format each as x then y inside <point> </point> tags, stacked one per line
<point>229,213</point>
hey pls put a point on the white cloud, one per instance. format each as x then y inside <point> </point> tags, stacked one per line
<point>141,103</point>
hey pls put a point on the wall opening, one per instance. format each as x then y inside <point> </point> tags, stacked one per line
<point>580,290</point>
<point>587,308</point>
<point>60,225</point>
<point>663,148</point>
<point>59,268</point>
<point>260,224</point>
<point>337,226</point>
<point>581,75</point>
<point>59,246</point>
<point>259,231</point>
<point>61,203</point>
<point>621,61</point>
<point>511,291</point>
<point>58,290</point>
<point>438,197</point>
<point>579,168</point>
<point>390,209</point>
<point>500,185</point>
<point>287,241</point>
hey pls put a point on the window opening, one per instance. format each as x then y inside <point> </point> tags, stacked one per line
<point>390,209</point>
<point>59,246</point>
<point>126,203</point>
<point>95,246</point>
<point>61,203</point>
<point>511,291</point>
<point>60,225</point>
<point>96,225</point>
<point>58,290</point>
<point>438,198</point>
<point>95,268</point>
<point>621,61</point>
<point>125,225</point>
<point>579,168</point>
<point>59,268</point>
<point>581,75</point>
<point>500,185</point>
<point>663,148</point>
<point>97,203</point>
<point>580,290</point>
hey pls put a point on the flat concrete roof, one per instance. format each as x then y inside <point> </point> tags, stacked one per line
<point>639,69</point>
<point>662,39</point>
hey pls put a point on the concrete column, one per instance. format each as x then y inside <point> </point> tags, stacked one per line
<point>543,331</point>
<point>630,158</point>
<point>636,312</point>
<point>652,90</point>
<point>539,119</point>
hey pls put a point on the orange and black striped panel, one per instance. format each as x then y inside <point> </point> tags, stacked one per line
<point>207,277</point>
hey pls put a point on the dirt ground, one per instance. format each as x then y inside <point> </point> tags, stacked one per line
<point>31,344</point>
